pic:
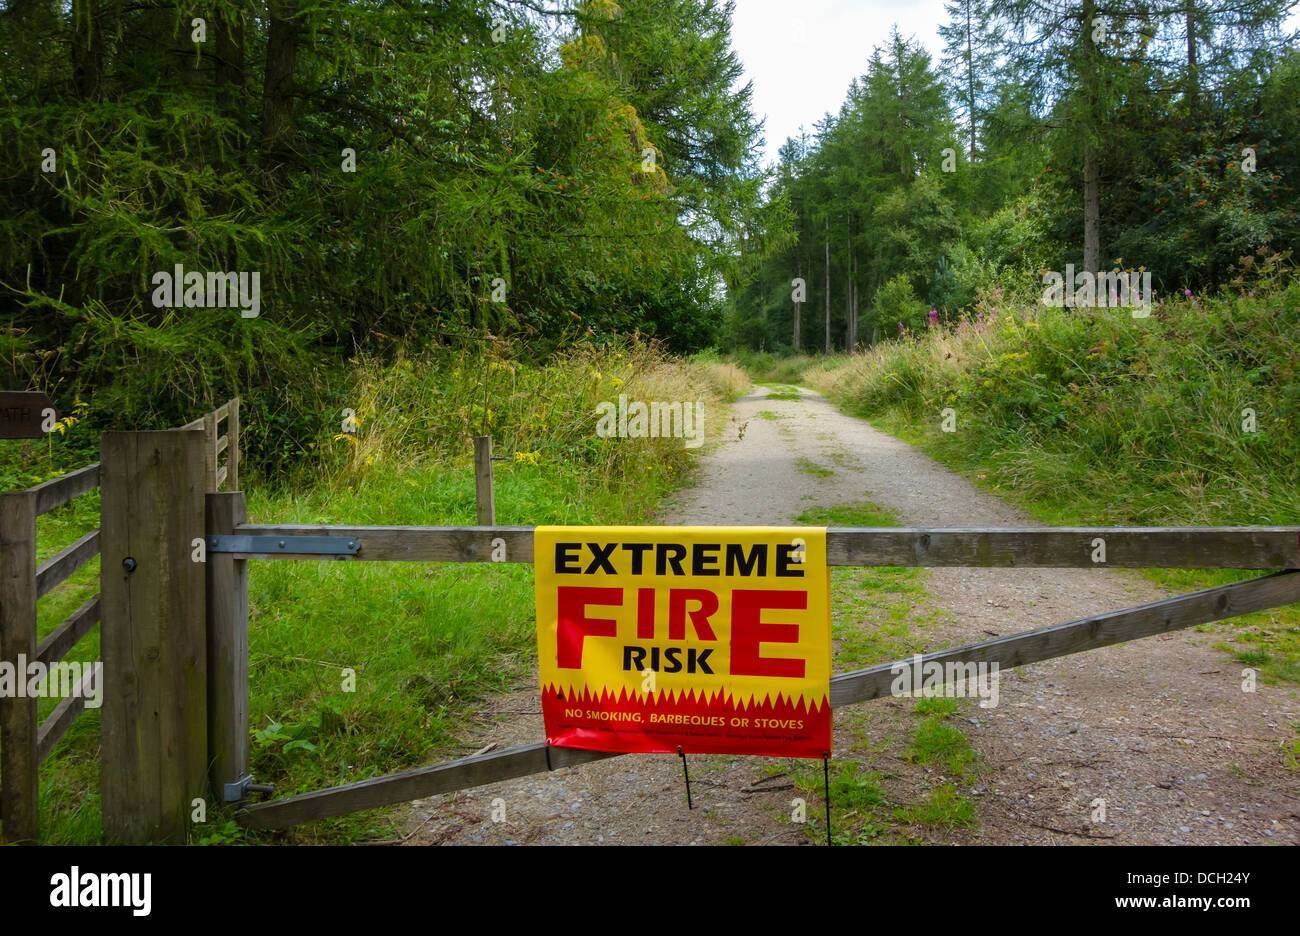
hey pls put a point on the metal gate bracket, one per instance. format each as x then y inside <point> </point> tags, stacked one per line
<point>286,545</point>
<point>234,792</point>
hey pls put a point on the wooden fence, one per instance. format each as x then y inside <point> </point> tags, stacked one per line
<point>215,445</point>
<point>24,744</point>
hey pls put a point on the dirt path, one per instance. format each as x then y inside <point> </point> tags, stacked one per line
<point>1159,729</point>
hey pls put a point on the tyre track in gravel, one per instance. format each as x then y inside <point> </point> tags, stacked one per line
<point>1159,728</point>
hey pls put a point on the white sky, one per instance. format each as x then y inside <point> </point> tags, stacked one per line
<point>802,54</point>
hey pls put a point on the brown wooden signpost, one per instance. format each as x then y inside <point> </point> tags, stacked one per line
<point>25,414</point>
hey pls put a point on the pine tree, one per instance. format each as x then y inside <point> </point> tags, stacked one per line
<point>973,47</point>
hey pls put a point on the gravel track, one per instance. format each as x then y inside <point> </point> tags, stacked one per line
<point>1159,728</point>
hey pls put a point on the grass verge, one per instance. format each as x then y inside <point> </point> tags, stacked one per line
<point>1090,417</point>
<point>365,668</point>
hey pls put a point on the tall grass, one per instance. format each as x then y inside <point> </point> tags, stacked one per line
<point>766,367</point>
<point>424,642</point>
<point>1093,412</point>
<point>1188,417</point>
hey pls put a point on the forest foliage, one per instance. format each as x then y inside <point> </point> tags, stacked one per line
<point>1154,137</point>
<point>472,175</point>
<point>399,174</point>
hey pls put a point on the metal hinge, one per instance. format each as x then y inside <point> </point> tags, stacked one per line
<point>234,792</point>
<point>288,545</point>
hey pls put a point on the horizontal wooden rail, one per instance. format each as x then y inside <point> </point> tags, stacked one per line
<point>1028,547</point>
<point>455,775</point>
<point>1090,633</point>
<point>411,543</point>
<point>64,637</point>
<point>58,722</point>
<point>1202,607</point>
<point>65,562</point>
<point>218,415</point>
<point>1070,547</point>
<point>59,491</point>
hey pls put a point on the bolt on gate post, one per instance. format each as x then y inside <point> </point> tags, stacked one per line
<point>153,635</point>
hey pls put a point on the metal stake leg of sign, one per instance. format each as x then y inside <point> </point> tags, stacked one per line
<point>687,774</point>
<point>826,777</point>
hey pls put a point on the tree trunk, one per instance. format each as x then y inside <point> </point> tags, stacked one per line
<point>87,49</point>
<point>281,61</point>
<point>851,297</point>
<point>970,81</point>
<point>1091,210</point>
<point>228,74</point>
<point>848,289</point>
<point>828,286</point>
<point>1193,90</point>
<point>855,303</point>
<point>796,312</point>
<point>1091,169</point>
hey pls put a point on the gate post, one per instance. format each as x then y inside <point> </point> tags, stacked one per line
<point>153,725</point>
<point>227,635</point>
<point>19,760</point>
<point>484,494</point>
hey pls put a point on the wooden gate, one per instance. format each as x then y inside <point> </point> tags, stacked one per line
<point>181,621</point>
<point>24,745</point>
<point>1264,548</point>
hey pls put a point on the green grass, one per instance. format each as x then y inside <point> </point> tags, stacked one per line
<point>938,743</point>
<point>810,467</point>
<point>425,642</point>
<point>358,669</point>
<point>768,415</point>
<point>783,392</point>
<point>69,778</point>
<point>770,368</point>
<point>943,807</point>
<point>1291,751</point>
<point>860,514</point>
<point>941,706</point>
<point>1082,417</point>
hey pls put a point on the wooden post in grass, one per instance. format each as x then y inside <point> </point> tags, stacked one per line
<point>154,722</point>
<point>232,448</point>
<point>19,760</point>
<point>227,636</point>
<point>486,497</point>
